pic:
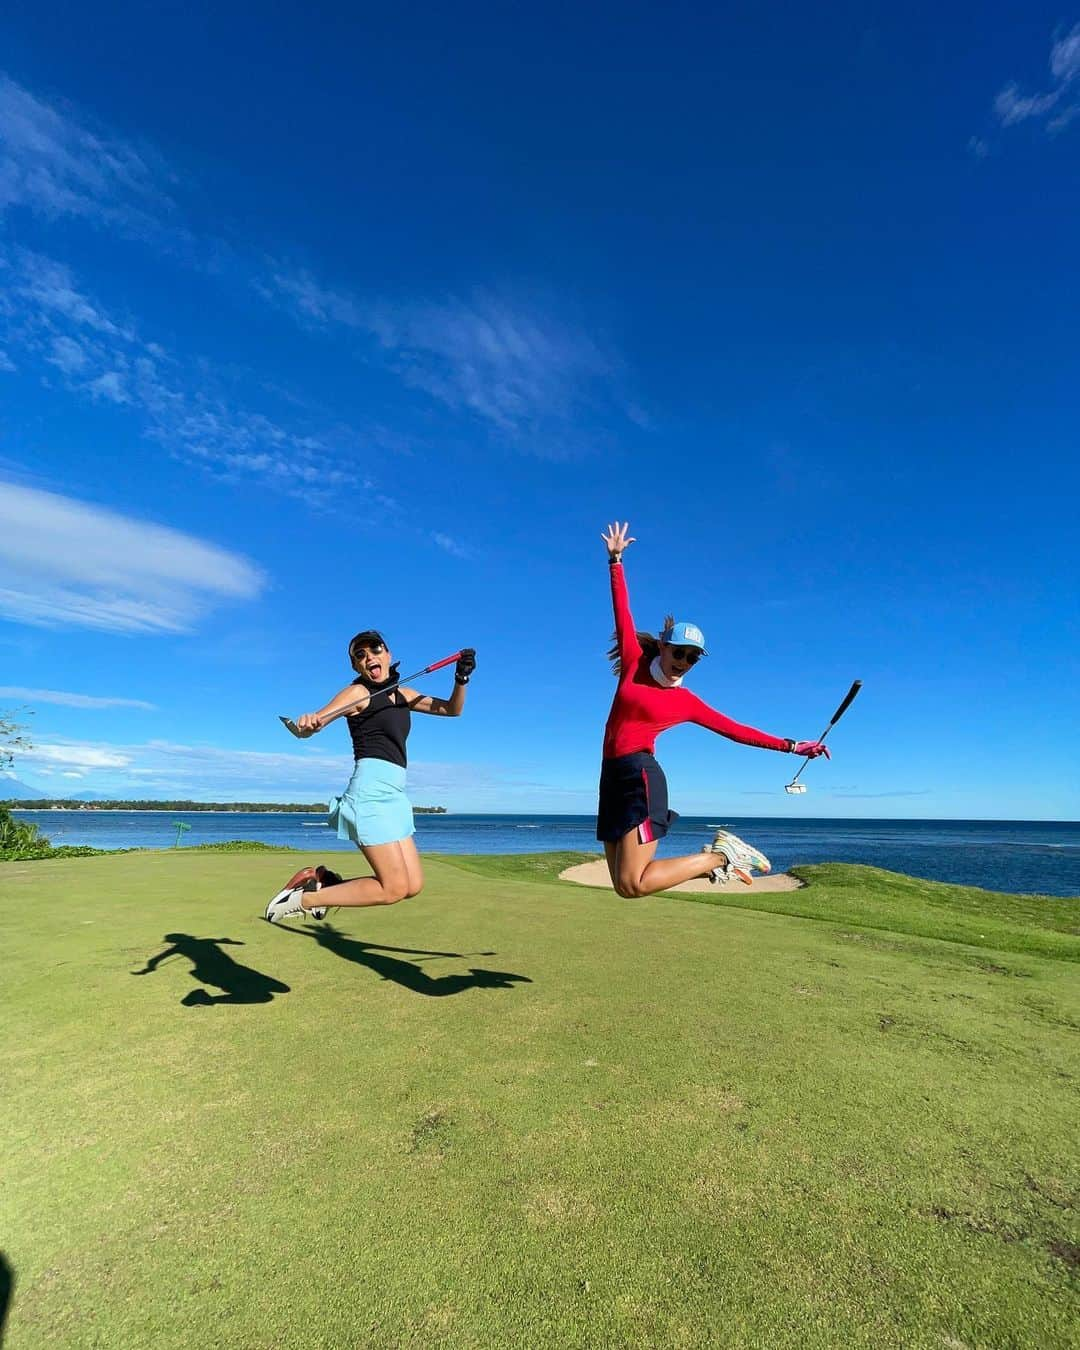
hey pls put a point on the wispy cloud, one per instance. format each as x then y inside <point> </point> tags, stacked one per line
<point>55,162</point>
<point>308,300</point>
<point>72,754</point>
<point>68,700</point>
<point>516,369</point>
<point>522,367</point>
<point>47,287</point>
<point>1062,99</point>
<point>73,563</point>
<point>104,358</point>
<point>512,364</point>
<point>450,545</point>
<point>218,773</point>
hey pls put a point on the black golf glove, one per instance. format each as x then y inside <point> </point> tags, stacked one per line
<point>465,666</point>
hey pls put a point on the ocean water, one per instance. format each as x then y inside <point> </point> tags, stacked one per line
<point>1018,856</point>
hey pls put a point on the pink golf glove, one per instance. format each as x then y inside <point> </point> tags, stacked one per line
<point>811,749</point>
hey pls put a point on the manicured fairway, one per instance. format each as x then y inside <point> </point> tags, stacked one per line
<point>517,1112</point>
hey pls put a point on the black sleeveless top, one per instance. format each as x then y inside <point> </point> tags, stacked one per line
<point>382,728</point>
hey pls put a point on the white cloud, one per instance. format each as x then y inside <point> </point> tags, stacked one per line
<point>1065,56</point>
<point>217,773</point>
<point>54,162</point>
<point>1012,107</point>
<point>73,700</point>
<point>63,561</point>
<point>450,545</point>
<point>515,366</point>
<point>75,755</point>
<point>67,355</point>
<point>512,368</point>
<point>311,301</point>
<point>50,288</point>
<point>6,363</point>
<point>110,386</point>
<point>103,358</point>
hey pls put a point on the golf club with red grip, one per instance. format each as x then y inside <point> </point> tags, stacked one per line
<point>291,726</point>
<point>795,787</point>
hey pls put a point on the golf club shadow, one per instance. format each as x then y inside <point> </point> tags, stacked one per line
<point>211,966</point>
<point>406,973</point>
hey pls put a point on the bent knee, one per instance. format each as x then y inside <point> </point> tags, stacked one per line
<point>629,889</point>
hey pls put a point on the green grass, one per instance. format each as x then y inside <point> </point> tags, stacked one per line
<point>517,1112</point>
<point>867,897</point>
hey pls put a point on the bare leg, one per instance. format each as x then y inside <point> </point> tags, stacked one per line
<point>413,866</point>
<point>398,875</point>
<point>635,872</point>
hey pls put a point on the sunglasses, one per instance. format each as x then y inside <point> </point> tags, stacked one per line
<point>375,649</point>
<point>691,655</point>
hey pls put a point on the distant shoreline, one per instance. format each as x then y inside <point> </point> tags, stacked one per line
<point>193,809</point>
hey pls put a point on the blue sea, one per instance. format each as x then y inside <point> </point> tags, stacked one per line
<point>1018,856</point>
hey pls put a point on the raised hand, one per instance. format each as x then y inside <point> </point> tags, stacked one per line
<point>466,665</point>
<point>615,537</point>
<point>811,749</point>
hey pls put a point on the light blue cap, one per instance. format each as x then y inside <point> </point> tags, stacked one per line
<point>684,635</point>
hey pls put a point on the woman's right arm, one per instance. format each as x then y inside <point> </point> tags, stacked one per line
<point>352,697</point>
<point>625,634</point>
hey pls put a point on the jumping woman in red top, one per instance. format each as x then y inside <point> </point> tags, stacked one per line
<point>633,813</point>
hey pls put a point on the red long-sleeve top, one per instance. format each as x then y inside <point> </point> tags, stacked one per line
<point>642,709</point>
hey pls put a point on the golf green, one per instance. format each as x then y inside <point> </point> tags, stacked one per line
<point>517,1112</point>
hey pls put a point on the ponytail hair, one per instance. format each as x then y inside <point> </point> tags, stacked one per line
<point>650,645</point>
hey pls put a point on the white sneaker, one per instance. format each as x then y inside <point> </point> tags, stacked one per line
<point>287,904</point>
<point>303,880</point>
<point>740,855</point>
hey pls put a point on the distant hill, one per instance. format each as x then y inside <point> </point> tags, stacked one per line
<point>12,790</point>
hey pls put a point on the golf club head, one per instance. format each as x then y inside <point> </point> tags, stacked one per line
<point>291,726</point>
<point>795,788</point>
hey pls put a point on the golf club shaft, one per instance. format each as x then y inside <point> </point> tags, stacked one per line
<point>848,697</point>
<point>349,707</point>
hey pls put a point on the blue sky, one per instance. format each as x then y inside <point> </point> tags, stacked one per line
<point>315,322</point>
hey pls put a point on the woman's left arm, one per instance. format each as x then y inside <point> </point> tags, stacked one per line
<point>445,707</point>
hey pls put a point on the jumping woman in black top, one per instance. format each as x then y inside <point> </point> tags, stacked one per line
<point>373,811</point>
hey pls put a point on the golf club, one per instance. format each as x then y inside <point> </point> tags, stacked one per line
<point>795,787</point>
<point>291,726</point>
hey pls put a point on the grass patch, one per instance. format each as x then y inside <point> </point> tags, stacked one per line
<point>514,1111</point>
<point>873,898</point>
<point>514,866</point>
<point>868,897</point>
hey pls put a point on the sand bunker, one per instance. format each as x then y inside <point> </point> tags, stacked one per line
<point>596,874</point>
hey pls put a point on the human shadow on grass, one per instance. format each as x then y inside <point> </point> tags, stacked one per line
<point>7,1288</point>
<point>210,965</point>
<point>406,973</point>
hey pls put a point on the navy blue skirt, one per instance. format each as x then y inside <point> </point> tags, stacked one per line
<point>633,796</point>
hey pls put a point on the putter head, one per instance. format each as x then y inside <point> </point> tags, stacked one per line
<point>795,788</point>
<point>290,725</point>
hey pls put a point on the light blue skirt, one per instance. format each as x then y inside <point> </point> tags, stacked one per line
<point>373,809</point>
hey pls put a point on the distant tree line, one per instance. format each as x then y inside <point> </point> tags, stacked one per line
<point>71,804</point>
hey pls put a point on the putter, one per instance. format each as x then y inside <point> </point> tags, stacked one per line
<point>795,787</point>
<point>291,726</point>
